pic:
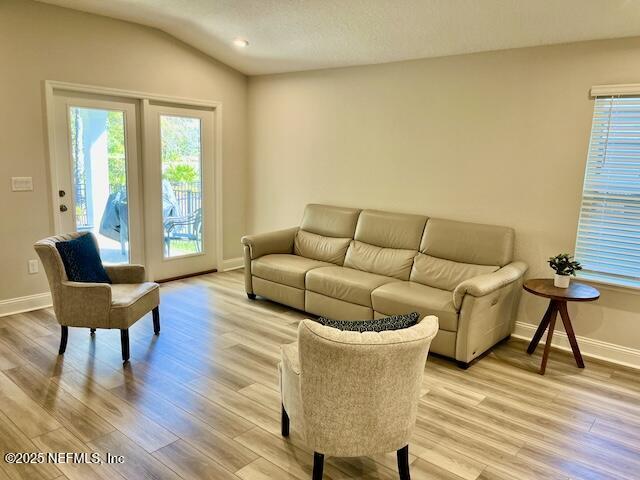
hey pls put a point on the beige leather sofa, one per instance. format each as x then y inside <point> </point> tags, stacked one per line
<point>346,263</point>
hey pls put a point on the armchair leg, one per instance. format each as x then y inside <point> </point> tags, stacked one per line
<point>64,335</point>
<point>156,320</point>
<point>318,466</point>
<point>403,463</point>
<point>251,296</point>
<point>284,424</point>
<point>124,341</point>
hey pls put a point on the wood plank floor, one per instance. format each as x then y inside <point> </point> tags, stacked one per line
<point>201,402</point>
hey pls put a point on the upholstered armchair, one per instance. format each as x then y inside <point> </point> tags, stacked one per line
<point>353,394</point>
<point>98,305</point>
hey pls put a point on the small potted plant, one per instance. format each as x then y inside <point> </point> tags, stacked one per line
<point>564,265</point>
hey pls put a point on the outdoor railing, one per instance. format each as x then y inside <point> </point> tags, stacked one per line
<point>82,218</point>
<point>188,197</point>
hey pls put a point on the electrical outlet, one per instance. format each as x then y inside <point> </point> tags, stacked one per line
<point>33,266</point>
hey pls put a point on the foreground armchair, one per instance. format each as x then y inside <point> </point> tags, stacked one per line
<point>98,305</point>
<point>353,394</point>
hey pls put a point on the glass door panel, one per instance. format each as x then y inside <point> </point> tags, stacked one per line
<point>180,212</point>
<point>99,179</point>
<point>181,163</point>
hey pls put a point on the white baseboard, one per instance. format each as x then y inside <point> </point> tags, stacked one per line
<point>589,347</point>
<point>232,264</point>
<point>11,306</point>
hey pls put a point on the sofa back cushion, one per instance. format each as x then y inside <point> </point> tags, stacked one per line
<point>465,242</point>
<point>445,274</point>
<point>319,247</point>
<point>385,243</point>
<point>325,232</point>
<point>329,221</point>
<point>390,230</point>
<point>390,262</point>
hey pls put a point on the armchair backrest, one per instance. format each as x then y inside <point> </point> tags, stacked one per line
<point>360,391</point>
<point>52,263</point>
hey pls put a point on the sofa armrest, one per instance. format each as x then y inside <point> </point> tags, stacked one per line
<point>484,284</point>
<point>84,304</point>
<point>280,241</point>
<point>125,273</point>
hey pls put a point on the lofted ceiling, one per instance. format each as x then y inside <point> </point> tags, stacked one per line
<point>292,35</point>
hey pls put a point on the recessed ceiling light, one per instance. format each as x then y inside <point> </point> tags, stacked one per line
<point>241,43</point>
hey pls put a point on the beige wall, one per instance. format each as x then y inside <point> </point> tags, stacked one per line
<point>497,137</point>
<point>40,42</point>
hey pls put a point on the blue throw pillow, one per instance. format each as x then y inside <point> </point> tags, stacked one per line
<point>395,322</point>
<point>81,260</point>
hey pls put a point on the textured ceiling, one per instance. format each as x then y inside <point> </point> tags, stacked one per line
<point>291,35</point>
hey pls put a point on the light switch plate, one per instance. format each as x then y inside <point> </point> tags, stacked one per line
<point>22,184</point>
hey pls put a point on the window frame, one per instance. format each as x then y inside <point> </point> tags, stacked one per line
<point>610,280</point>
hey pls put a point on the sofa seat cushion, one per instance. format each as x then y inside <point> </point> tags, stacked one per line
<point>346,284</point>
<point>284,268</point>
<point>405,297</point>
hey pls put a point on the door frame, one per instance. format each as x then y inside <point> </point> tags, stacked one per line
<point>50,86</point>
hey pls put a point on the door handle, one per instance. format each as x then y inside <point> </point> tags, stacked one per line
<point>63,208</point>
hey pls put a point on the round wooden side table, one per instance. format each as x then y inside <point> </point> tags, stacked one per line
<point>558,298</point>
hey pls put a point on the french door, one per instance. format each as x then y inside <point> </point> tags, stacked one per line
<point>96,169</point>
<point>139,176</point>
<point>179,169</point>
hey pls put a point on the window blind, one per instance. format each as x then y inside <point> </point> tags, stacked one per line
<point>608,240</point>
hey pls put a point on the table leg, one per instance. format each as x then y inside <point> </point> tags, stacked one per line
<point>544,323</point>
<point>564,314</point>
<point>547,345</point>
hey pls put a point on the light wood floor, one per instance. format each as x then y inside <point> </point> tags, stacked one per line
<point>201,401</point>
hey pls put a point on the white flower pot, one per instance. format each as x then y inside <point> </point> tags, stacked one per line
<point>561,281</point>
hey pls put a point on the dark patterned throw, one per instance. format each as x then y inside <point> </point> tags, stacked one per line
<point>81,260</point>
<point>395,322</point>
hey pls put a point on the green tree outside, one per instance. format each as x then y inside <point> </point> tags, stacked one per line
<point>180,143</point>
<point>181,150</point>
<point>116,150</point>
